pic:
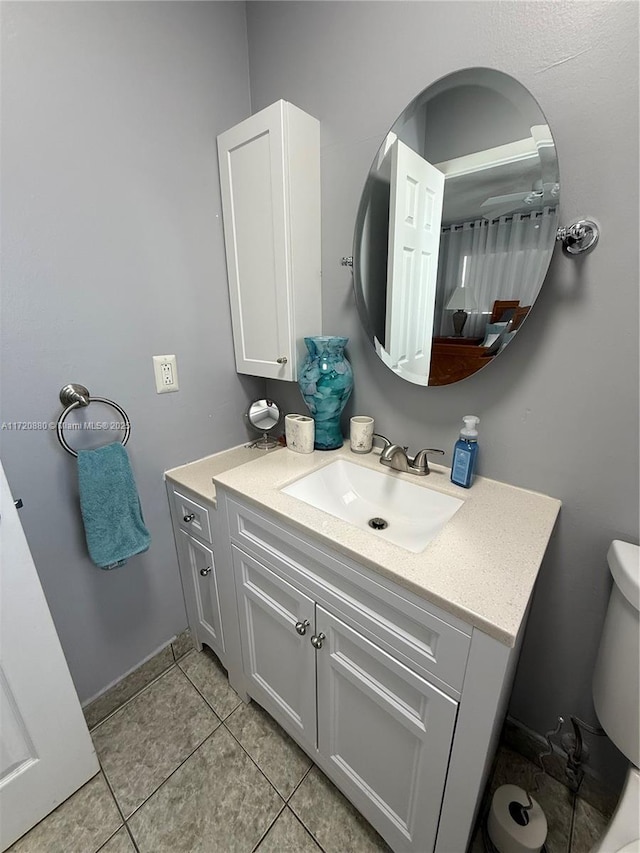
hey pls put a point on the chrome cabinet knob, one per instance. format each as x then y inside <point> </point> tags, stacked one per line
<point>205,572</point>
<point>317,640</point>
<point>190,517</point>
<point>282,360</point>
<point>301,627</point>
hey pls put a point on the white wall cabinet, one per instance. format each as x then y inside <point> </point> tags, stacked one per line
<point>270,185</point>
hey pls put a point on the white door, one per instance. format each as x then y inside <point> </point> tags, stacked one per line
<point>415,214</point>
<point>276,626</point>
<point>387,733</point>
<point>46,752</point>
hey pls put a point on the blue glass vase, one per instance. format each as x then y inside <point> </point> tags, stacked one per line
<point>325,379</point>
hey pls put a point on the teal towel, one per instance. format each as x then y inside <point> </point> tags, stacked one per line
<point>110,506</point>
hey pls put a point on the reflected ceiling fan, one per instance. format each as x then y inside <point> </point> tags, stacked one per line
<point>498,205</point>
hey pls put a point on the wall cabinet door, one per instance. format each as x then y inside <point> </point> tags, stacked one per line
<point>276,624</point>
<point>270,186</point>
<point>200,585</point>
<point>386,732</point>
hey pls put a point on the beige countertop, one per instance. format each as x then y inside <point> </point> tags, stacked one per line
<point>481,567</point>
<point>198,476</point>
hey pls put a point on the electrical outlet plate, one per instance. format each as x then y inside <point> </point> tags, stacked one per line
<point>166,373</point>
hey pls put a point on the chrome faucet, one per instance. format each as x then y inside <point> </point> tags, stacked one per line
<point>396,457</point>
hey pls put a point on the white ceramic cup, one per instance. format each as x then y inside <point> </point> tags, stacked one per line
<point>300,433</point>
<point>361,434</point>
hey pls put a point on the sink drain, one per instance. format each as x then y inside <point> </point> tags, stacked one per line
<point>378,523</point>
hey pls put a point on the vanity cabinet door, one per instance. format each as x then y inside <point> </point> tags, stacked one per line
<point>276,624</point>
<point>200,585</point>
<point>385,731</point>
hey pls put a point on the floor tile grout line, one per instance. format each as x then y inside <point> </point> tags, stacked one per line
<point>175,770</point>
<point>204,698</point>
<point>171,642</point>
<point>220,723</point>
<point>113,834</point>
<point>255,762</point>
<point>269,828</point>
<point>218,727</point>
<point>304,776</point>
<point>218,720</point>
<point>305,827</point>
<point>295,813</point>
<point>48,815</point>
<point>120,812</point>
<point>222,719</point>
<point>111,791</point>
<point>131,838</point>
<point>174,662</point>
<point>288,799</point>
<point>134,696</point>
<point>572,823</point>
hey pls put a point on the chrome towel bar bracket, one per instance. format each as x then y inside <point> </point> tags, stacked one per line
<point>74,396</point>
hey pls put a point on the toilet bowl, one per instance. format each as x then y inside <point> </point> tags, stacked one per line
<point>616,692</point>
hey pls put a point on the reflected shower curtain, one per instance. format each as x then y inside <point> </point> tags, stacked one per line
<point>506,259</point>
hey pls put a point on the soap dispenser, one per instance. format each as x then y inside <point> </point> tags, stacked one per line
<point>465,453</point>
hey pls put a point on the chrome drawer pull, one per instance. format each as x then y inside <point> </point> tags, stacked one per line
<point>189,517</point>
<point>317,640</point>
<point>205,572</point>
<point>301,627</point>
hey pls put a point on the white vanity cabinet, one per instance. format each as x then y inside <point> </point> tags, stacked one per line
<point>368,679</point>
<point>194,526</point>
<point>270,185</point>
<point>391,669</point>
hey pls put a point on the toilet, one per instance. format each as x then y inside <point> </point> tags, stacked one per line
<point>616,692</point>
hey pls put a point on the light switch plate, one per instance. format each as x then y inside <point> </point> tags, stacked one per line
<point>166,373</point>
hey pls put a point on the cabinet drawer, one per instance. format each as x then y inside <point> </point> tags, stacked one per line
<point>419,634</point>
<point>192,517</point>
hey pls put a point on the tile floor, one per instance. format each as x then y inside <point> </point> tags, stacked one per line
<point>186,767</point>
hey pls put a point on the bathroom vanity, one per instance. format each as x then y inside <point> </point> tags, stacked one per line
<point>391,668</point>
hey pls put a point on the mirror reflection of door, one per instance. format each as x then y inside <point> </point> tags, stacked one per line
<point>489,138</point>
<point>415,214</point>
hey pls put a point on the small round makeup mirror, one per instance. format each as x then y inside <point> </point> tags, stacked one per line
<point>265,416</point>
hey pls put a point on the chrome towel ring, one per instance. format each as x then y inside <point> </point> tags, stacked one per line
<point>75,396</point>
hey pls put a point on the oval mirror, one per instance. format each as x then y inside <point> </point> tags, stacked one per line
<point>264,416</point>
<point>456,226</point>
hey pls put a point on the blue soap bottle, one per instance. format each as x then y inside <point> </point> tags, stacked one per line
<point>465,453</point>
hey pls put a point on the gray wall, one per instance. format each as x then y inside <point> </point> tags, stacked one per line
<point>559,413</point>
<point>112,252</point>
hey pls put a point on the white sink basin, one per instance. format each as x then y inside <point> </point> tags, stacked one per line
<point>414,515</point>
